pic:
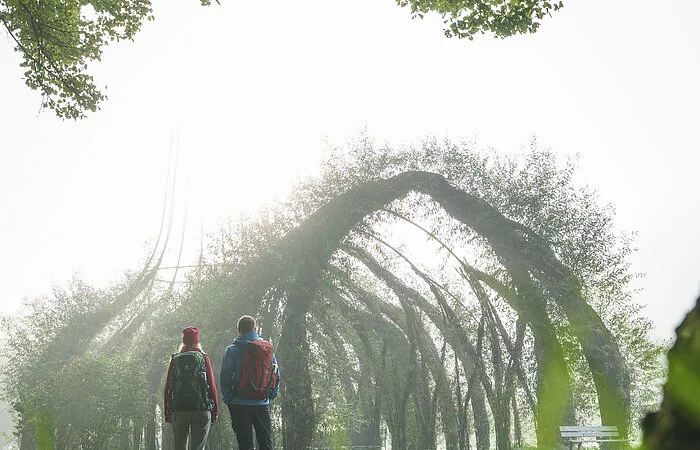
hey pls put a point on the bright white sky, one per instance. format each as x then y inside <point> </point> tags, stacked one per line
<point>252,90</point>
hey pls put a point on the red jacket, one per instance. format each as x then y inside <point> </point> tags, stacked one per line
<point>211,392</point>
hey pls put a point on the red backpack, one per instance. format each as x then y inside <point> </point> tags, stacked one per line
<point>258,374</point>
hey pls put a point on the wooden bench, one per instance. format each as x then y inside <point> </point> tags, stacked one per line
<point>582,435</point>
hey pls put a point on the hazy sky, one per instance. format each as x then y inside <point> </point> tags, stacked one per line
<point>250,91</point>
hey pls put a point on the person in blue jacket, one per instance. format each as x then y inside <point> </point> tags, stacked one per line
<point>246,414</point>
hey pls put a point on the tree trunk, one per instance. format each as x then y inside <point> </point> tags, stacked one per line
<point>296,396</point>
<point>463,430</point>
<point>482,430</point>
<point>27,441</point>
<point>167,437</point>
<point>676,425</point>
<point>307,249</point>
<point>150,437</point>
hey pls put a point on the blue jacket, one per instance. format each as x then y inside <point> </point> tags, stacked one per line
<point>231,372</point>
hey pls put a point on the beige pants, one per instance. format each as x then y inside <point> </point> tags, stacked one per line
<point>194,424</point>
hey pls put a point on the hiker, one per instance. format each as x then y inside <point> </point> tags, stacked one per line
<point>249,381</point>
<point>191,404</point>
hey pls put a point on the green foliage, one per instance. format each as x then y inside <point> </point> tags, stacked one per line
<point>385,300</point>
<point>676,424</point>
<point>62,395</point>
<point>332,429</point>
<point>58,38</point>
<point>352,311</point>
<point>89,403</point>
<point>503,18</point>
<point>535,189</point>
<point>106,395</point>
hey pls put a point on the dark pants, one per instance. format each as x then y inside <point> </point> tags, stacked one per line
<point>246,417</point>
<point>193,423</point>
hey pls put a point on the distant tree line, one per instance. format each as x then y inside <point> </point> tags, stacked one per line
<point>430,295</point>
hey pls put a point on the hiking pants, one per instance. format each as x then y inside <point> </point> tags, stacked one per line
<point>246,417</point>
<point>193,423</point>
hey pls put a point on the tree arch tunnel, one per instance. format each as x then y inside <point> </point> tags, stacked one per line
<point>300,280</point>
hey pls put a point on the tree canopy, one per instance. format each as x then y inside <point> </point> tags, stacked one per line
<point>433,295</point>
<point>467,18</point>
<point>58,39</point>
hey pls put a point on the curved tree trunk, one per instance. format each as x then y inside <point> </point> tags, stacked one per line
<point>296,396</point>
<point>452,332</point>
<point>362,399</point>
<point>523,253</point>
<point>308,248</point>
<point>500,407</point>
<point>394,358</point>
<point>370,385</point>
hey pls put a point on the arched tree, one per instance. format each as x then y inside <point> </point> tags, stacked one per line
<point>448,295</point>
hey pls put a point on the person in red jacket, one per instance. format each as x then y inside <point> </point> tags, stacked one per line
<point>191,403</point>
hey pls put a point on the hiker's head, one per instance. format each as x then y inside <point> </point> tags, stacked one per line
<point>190,336</point>
<point>246,324</point>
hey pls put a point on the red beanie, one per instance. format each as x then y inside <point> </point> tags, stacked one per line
<point>190,336</point>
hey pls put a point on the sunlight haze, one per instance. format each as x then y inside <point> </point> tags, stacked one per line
<point>248,95</point>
